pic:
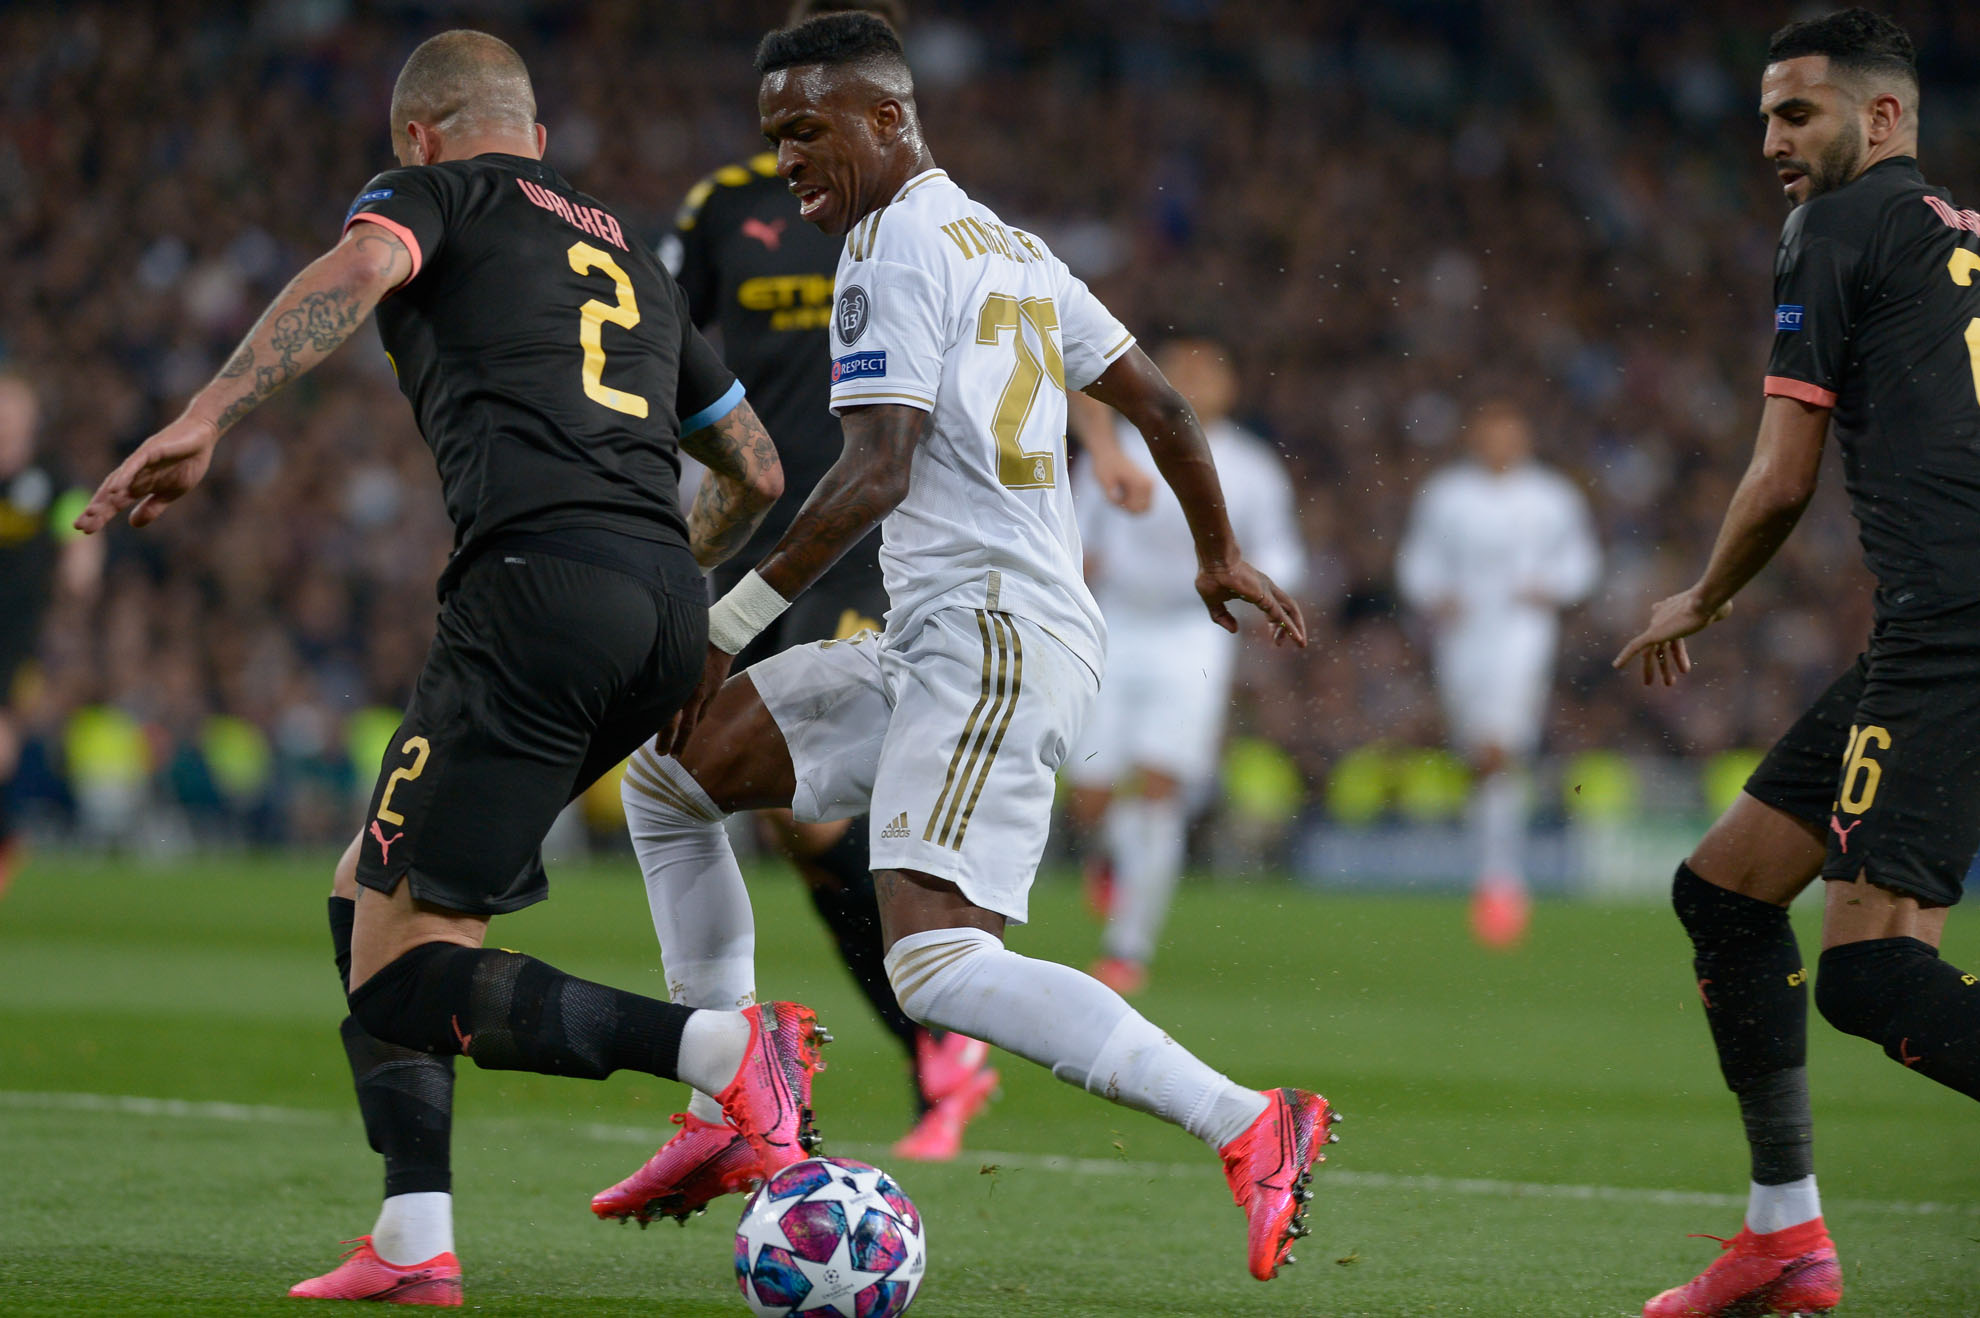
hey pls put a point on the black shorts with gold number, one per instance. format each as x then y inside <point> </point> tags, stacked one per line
<point>547,670</point>
<point>850,598</point>
<point>1888,761</point>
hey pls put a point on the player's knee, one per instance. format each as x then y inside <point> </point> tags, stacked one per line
<point>343,881</point>
<point>393,1004</point>
<point>660,797</point>
<point>1854,984</point>
<point>931,971</point>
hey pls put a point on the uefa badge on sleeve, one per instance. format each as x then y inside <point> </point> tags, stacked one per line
<point>850,316</point>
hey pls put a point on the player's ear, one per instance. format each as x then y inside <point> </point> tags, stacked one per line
<point>887,120</point>
<point>1886,115</point>
<point>542,137</point>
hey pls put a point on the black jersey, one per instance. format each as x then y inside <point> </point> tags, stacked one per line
<point>753,269</point>
<point>552,363</point>
<point>1877,292</point>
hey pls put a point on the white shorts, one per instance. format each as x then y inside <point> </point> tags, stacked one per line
<point>1162,700</point>
<point>949,739</point>
<point>1494,685</point>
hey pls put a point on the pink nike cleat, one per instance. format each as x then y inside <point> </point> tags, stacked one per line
<point>769,1101</point>
<point>1126,978</point>
<point>705,1161</point>
<point>364,1276</point>
<point>1500,912</point>
<point>1270,1167</point>
<point>937,1137</point>
<point>942,1066</point>
<point>1791,1271</point>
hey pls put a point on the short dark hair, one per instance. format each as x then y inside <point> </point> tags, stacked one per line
<point>1855,40</point>
<point>849,38</point>
<point>894,11</point>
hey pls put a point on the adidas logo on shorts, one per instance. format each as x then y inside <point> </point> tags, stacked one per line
<point>899,828</point>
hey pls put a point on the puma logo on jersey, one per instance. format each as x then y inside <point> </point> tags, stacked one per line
<point>770,234</point>
<point>1842,834</point>
<point>384,843</point>
<point>899,828</point>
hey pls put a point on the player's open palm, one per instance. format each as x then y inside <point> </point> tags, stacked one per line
<point>1661,644</point>
<point>1241,581</point>
<point>163,469</point>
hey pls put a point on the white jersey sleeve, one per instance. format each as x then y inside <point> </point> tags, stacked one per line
<point>890,333</point>
<point>1573,561</point>
<point>1093,338</point>
<point>1264,512</point>
<point>1426,568</point>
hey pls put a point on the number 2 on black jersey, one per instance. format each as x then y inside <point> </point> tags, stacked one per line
<point>1962,268</point>
<point>593,316</point>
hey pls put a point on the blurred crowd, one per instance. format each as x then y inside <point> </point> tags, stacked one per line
<point>1388,212</point>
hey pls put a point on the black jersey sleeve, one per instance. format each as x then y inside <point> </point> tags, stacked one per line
<point>707,389</point>
<point>1815,297</point>
<point>412,205</point>
<point>689,254</point>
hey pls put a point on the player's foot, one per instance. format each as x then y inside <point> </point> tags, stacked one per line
<point>944,1065</point>
<point>1793,1271</point>
<point>769,1101</point>
<point>937,1137</point>
<point>364,1276</point>
<point>1270,1167</point>
<point>1500,911</point>
<point>1096,876</point>
<point>1126,978</point>
<point>705,1161</point>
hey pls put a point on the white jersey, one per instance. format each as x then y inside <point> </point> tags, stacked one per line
<point>1146,563</point>
<point>943,307</point>
<point>1507,550</point>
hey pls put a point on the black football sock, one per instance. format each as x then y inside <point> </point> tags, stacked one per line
<point>1898,993</point>
<point>405,1097</point>
<point>510,1012</point>
<point>1755,990</point>
<point>852,913</point>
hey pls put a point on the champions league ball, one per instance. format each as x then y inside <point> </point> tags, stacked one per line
<point>830,1237</point>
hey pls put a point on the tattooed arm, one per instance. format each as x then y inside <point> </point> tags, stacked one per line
<point>744,479</point>
<point>867,482</point>
<point>319,309</point>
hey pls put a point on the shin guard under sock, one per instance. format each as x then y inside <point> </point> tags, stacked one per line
<point>1751,979</point>
<point>1896,992</point>
<point>510,1012</point>
<point>405,1097</point>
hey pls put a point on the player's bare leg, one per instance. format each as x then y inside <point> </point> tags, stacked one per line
<point>951,968</point>
<point>1732,896</point>
<point>1500,906</point>
<point>1147,828</point>
<point>1096,848</point>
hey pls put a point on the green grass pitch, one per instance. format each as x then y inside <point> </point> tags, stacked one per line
<point>1526,1135</point>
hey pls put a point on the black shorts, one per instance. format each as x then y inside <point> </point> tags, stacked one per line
<point>850,598</point>
<point>546,671</point>
<point>1888,761</point>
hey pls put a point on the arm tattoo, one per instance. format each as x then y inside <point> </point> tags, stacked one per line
<point>737,451</point>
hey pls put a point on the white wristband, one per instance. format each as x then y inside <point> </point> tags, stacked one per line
<point>746,610</point>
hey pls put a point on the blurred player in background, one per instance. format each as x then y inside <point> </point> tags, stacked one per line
<point>1150,749</point>
<point>1876,788</point>
<point>41,554</point>
<point>1497,546</point>
<point>572,621</point>
<point>956,338</point>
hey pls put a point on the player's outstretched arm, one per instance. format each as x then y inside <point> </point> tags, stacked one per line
<point>1135,388</point>
<point>744,479</point>
<point>1778,483</point>
<point>308,321</point>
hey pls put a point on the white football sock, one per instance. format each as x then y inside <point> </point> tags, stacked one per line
<point>1498,821</point>
<point>712,1048</point>
<point>694,888</point>
<point>413,1228</point>
<point>1145,877</point>
<point>965,980</point>
<point>1777,1207</point>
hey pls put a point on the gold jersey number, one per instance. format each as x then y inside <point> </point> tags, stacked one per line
<point>1861,773</point>
<point>1962,267</point>
<point>1017,467</point>
<point>593,316</point>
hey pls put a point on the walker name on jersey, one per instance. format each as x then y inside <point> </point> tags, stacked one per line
<point>1787,319</point>
<point>856,364</point>
<point>587,218</point>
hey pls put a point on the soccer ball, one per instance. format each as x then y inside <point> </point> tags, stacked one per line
<point>830,1237</point>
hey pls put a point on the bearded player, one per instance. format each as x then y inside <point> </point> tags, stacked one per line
<point>954,338</point>
<point>1874,789</point>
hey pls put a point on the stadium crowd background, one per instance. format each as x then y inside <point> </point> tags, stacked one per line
<point>1390,212</point>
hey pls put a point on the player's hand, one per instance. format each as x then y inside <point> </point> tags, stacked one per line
<point>163,470</point>
<point>1661,644</point>
<point>1124,482</point>
<point>1242,581</point>
<point>714,672</point>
